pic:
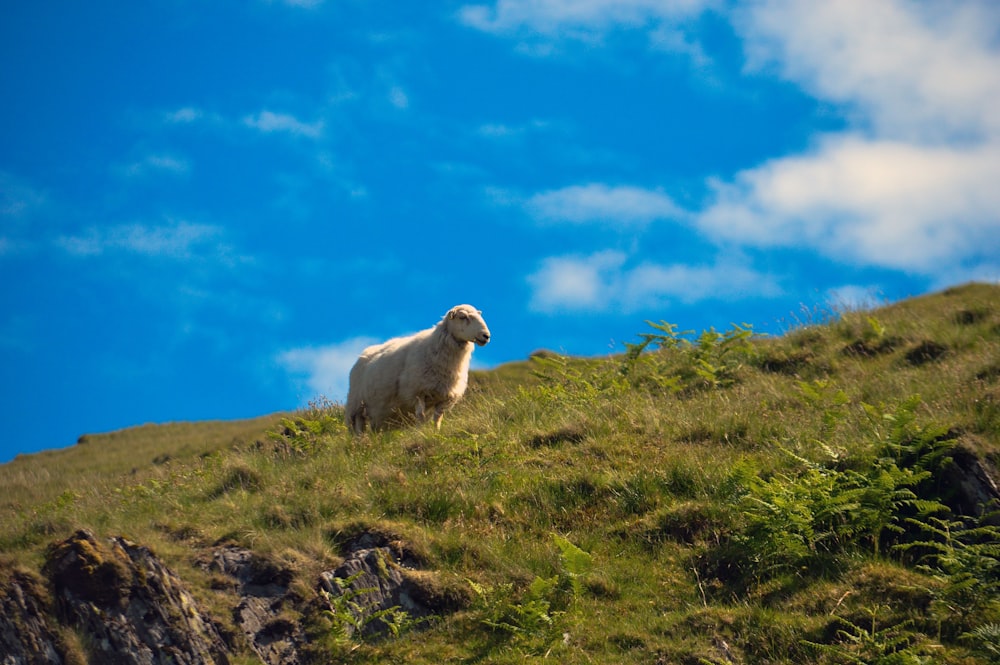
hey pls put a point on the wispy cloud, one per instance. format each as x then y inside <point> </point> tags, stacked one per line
<point>270,122</point>
<point>185,115</point>
<point>179,241</point>
<point>20,202</point>
<point>302,4</point>
<point>17,197</point>
<point>398,97</point>
<point>574,19</point>
<point>500,130</point>
<point>158,163</point>
<point>324,370</point>
<point>597,202</point>
<point>605,281</point>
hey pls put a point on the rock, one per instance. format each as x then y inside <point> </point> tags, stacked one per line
<point>26,638</point>
<point>974,480</point>
<point>376,580</point>
<point>132,609</point>
<point>373,582</point>
<point>262,614</point>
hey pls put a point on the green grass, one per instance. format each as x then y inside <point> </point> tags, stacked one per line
<point>757,500</point>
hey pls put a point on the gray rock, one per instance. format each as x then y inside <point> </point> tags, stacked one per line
<point>26,638</point>
<point>374,582</point>
<point>974,479</point>
<point>262,614</point>
<point>133,610</point>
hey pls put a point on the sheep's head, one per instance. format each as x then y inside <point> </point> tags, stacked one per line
<point>466,324</point>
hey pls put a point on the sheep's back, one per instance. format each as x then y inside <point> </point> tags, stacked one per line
<point>384,363</point>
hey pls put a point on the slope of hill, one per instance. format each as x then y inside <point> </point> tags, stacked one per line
<point>825,496</point>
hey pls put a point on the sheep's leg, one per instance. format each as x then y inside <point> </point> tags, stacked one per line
<point>438,415</point>
<point>421,410</point>
<point>360,423</point>
<point>360,418</point>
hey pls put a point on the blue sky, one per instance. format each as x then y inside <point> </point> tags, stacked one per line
<point>207,209</point>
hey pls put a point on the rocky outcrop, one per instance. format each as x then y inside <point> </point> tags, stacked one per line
<point>133,610</point>
<point>26,636</point>
<point>379,577</point>
<point>373,583</point>
<point>265,613</point>
<point>130,609</point>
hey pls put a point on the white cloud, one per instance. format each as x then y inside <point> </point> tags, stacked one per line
<point>269,122</point>
<point>603,282</point>
<point>574,282</point>
<point>598,202</point>
<point>179,240</point>
<point>914,70</point>
<point>886,203</point>
<point>913,186</point>
<point>324,370</point>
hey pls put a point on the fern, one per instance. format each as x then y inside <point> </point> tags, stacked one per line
<point>535,620</point>
<point>575,563</point>
<point>568,382</point>
<point>801,522</point>
<point>984,640</point>
<point>830,400</point>
<point>349,618</point>
<point>526,618</point>
<point>718,356</point>
<point>872,645</point>
<point>712,359</point>
<point>964,557</point>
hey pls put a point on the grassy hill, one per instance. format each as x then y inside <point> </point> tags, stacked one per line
<point>705,497</point>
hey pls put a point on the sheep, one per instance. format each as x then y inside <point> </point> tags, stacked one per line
<point>426,371</point>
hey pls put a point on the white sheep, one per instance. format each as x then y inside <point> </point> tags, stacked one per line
<point>427,370</point>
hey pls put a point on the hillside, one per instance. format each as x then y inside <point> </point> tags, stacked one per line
<point>709,497</point>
